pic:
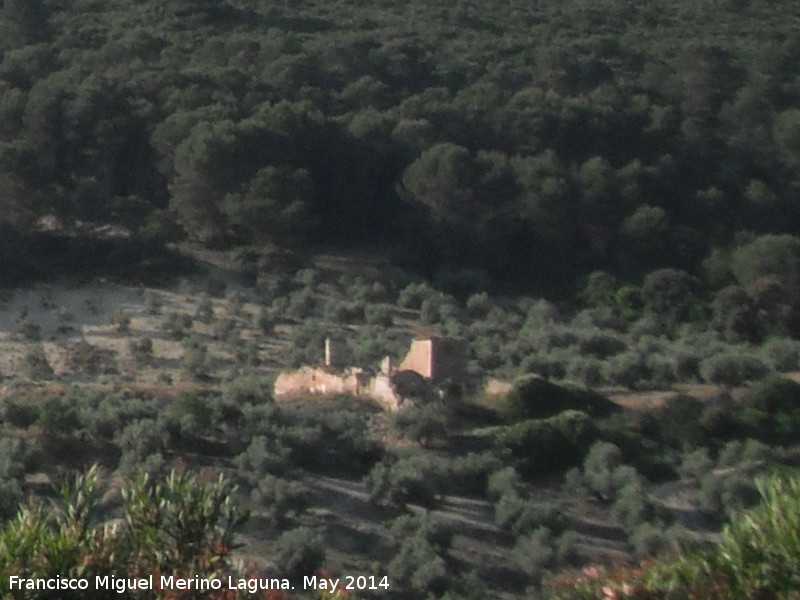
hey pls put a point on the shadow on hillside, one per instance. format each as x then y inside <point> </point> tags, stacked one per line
<point>48,255</point>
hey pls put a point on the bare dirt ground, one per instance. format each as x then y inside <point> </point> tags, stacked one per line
<point>57,316</point>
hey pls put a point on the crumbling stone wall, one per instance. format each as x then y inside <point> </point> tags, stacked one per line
<point>316,380</point>
<point>324,381</point>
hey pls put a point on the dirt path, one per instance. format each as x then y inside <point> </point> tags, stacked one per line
<point>465,512</point>
<point>655,398</point>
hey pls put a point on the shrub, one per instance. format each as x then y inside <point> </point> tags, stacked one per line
<point>602,317</point>
<point>34,364</point>
<point>177,325</point>
<point>600,345</point>
<point>462,281</point>
<point>418,566</point>
<point>228,414</point>
<point>550,366</point>
<point>307,277</point>
<point>329,436</point>
<point>378,314</point>
<point>732,367</point>
<point>687,365</point>
<point>346,312</point>
<point>649,540</point>
<point>782,354</point>
<point>720,420</point>
<point>263,456</point>
<point>265,321</point>
<point>85,358</point>
<point>58,417</point>
<point>13,457</point>
<point>540,312</point>
<point>676,420</point>
<point>502,482</point>
<point>429,313</point>
<point>574,482</point>
<point>604,473</point>
<point>771,410</point>
<point>417,479</point>
<point>247,390</point>
<point>418,562</point>
<point>422,424</point>
<point>773,394</point>
<point>553,337</point>
<point>301,304</point>
<point>535,398</point>
<point>30,329</point>
<point>586,370</point>
<point>739,492</point>
<point>215,287</point>
<point>507,510</point>
<point>478,305</point>
<point>518,516</point>
<point>471,473</point>
<point>754,451</point>
<point>235,303</point>
<point>370,348</point>
<point>140,439</point>
<point>141,350</point>
<point>720,494</point>
<point>567,548</point>
<point>19,413</point>
<point>194,414</point>
<point>533,553</point>
<point>196,361</point>
<point>629,369</point>
<point>64,320</point>
<point>735,315</point>
<point>603,456</point>
<point>227,330</point>
<point>540,445</point>
<point>488,351</point>
<point>298,552</point>
<point>205,309</point>
<point>696,465</point>
<point>122,322</point>
<point>248,354</point>
<point>152,302</point>
<point>671,294</point>
<point>423,528</point>
<point>278,497</point>
<point>730,455</point>
<point>377,292</point>
<point>103,421</point>
<point>662,370</point>
<point>632,507</point>
<point>413,295</point>
<point>10,499</point>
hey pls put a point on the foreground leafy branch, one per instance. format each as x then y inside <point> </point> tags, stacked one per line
<point>756,558</point>
<point>176,526</point>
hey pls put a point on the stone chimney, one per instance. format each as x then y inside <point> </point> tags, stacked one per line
<point>337,354</point>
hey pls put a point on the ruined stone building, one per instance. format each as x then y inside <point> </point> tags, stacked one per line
<point>428,361</point>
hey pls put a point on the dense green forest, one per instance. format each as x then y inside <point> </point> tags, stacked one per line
<point>521,142</point>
